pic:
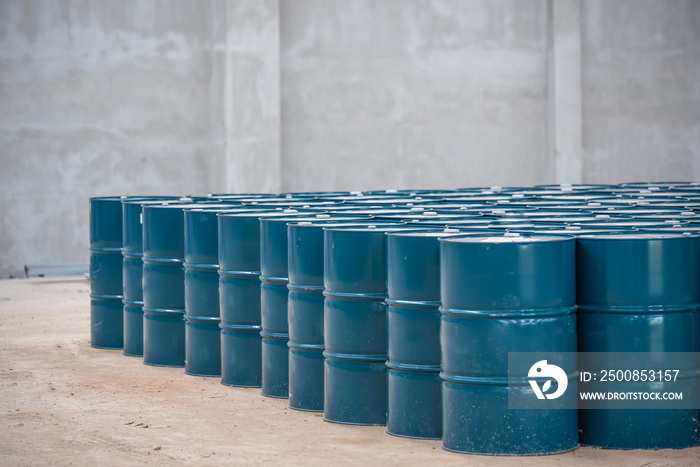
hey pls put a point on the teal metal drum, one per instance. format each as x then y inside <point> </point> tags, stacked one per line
<point>504,294</point>
<point>239,297</point>
<point>413,319</point>
<point>640,292</point>
<point>305,310</point>
<point>164,284</point>
<point>273,304</point>
<point>355,325</point>
<point>132,272</point>
<point>202,318</point>
<point>106,288</point>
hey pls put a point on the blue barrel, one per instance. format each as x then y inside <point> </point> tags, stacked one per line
<point>164,284</point>
<point>202,318</point>
<point>305,310</point>
<point>640,293</point>
<point>413,320</point>
<point>273,304</point>
<point>355,325</point>
<point>239,297</point>
<point>499,295</point>
<point>106,288</point>
<point>132,272</point>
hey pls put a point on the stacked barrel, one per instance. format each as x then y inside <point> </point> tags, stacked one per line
<point>132,276</point>
<point>305,314</point>
<point>414,393</point>
<point>202,317</point>
<point>132,272</point>
<point>164,284</point>
<point>273,301</point>
<point>638,292</point>
<point>407,308</point>
<point>504,294</point>
<point>239,297</point>
<point>355,325</point>
<point>106,289</point>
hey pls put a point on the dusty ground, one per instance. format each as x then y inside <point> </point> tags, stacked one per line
<point>65,403</point>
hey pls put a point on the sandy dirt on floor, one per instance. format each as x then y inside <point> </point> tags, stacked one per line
<point>65,403</point>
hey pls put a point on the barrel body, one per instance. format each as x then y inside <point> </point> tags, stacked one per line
<point>106,289</point>
<point>202,316</point>
<point>163,285</point>
<point>639,293</point>
<point>132,274</point>
<point>239,299</point>
<point>355,375</point>
<point>305,312</point>
<point>413,320</point>
<point>273,301</point>
<point>501,295</point>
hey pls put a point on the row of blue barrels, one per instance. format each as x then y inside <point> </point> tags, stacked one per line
<point>346,363</point>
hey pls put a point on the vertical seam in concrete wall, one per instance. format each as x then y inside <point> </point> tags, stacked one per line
<point>277,178</point>
<point>228,103</point>
<point>551,123</point>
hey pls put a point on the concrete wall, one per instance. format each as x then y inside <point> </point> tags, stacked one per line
<point>419,94</point>
<point>182,97</point>
<point>641,90</point>
<point>96,98</point>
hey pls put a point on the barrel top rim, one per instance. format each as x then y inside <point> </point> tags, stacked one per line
<point>366,227</point>
<point>427,232</point>
<point>437,215</point>
<point>485,238</point>
<point>316,221</point>
<point>644,235</point>
<point>209,207</point>
<point>108,198</point>
<point>246,212</point>
<point>283,216</point>
<point>172,205</point>
<point>142,200</point>
<point>632,223</point>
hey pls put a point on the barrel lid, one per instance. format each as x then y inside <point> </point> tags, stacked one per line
<point>552,213</point>
<point>633,223</point>
<point>508,237</point>
<point>327,219</point>
<point>477,198</point>
<point>108,198</point>
<point>292,203</point>
<point>426,215</point>
<point>568,220</point>
<point>209,207</point>
<point>692,229</point>
<point>365,228</point>
<point>646,235</point>
<point>573,187</point>
<point>287,215</point>
<point>176,204</point>
<point>375,211</point>
<point>242,195</point>
<point>314,194</point>
<point>547,202</point>
<point>256,212</point>
<point>426,232</point>
<point>577,231</point>
<point>149,199</point>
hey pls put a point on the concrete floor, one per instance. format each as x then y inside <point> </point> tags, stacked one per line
<point>65,403</point>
